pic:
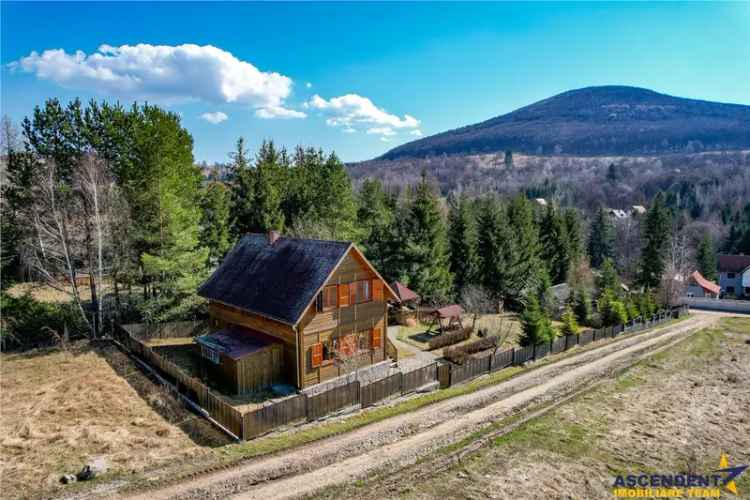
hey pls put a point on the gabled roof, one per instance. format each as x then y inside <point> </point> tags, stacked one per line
<point>276,280</point>
<point>733,263</point>
<point>451,311</point>
<point>707,285</point>
<point>236,342</point>
<point>402,292</point>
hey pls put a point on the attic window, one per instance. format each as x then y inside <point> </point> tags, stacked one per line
<point>361,291</point>
<point>328,298</point>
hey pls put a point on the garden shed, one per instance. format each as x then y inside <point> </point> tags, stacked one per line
<point>244,360</point>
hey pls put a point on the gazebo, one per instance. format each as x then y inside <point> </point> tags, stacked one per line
<point>451,314</point>
<point>409,300</point>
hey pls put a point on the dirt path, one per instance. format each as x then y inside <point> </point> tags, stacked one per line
<point>402,440</point>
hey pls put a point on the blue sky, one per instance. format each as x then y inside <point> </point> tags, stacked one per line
<point>361,78</point>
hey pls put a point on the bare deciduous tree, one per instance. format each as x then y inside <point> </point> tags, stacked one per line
<point>678,265</point>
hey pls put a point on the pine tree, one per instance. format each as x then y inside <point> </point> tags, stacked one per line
<point>602,239</point>
<point>462,232</point>
<point>536,327</point>
<point>656,234</point>
<point>215,208</point>
<point>336,205</point>
<point>569,322</point>
<point>426,249</point>
<point>706,258</point>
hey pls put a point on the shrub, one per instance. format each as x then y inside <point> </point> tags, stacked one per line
<point>449,338</point>
<point>582,306</point>
<point>536,326</point>
<point>569,323</point>
<point>458,353</point>
<point>26,322</point>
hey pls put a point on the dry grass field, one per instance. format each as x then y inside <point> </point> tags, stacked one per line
<point>62,409</point>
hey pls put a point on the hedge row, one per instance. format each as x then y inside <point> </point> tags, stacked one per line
<point>450,338</point>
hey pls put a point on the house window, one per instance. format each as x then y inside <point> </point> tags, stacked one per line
<point>328,298</point>
<point>730,289</point>
<point>361,291</point>
<point>730,276</point>
<point>364,340</point>
<point>747,290</point>
<point>210,354</point>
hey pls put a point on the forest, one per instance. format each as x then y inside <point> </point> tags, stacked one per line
<point>106,204</point>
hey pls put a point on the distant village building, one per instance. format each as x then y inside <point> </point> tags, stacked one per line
<point>698,286</point>
<point>638,210</point>
<point>541,202</point>
<point>617,213</point>
<point>293,310</point>
<point>734,275</point>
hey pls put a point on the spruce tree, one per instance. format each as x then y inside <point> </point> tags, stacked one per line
<point>336,205</point>
<point>215,226</point>
<point>602,239</point>
<point>608,279</point>
<point>536,327</point>
<point>374,218</point>
<point>555,245</point>
<point>569,322</point>
<point>524,272</point>
<point>268,195</point>
<point>426,247</point>
<point>574,229</point>
<point>241,182</point>
<point>582,305</point>
<point>656,234</point>
<point>462,232</point>
<point>493,246</point>
<point>706,257</point>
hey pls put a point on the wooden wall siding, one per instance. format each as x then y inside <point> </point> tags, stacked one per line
<point>260,369</point>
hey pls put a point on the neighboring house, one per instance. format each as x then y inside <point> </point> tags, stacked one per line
<point>541,202</point>
<point>698,286</point>
<point>617,213</point>
<point>734,275</point>
<point>638,210</point>
<point>321,300</point>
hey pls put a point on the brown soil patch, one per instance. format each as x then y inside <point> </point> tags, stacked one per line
<point>61,409</point>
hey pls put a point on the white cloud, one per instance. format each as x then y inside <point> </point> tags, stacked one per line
<point>164,72</point>
<point>385,139</point>
<point>216,117</point>
<point>308,85</point>
<point>384,131</point>
<point>278,112</point>
<point>351,109</point>
<point>416,132</point>
<point>349,130</point>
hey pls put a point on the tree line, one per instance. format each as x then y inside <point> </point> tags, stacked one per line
<point>110,196</point>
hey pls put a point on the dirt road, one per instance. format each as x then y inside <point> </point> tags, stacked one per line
<point>402,440</point>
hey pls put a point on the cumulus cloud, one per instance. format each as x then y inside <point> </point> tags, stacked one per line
<point>352,109</point>
<point>270,112</point>
<point>216,117</point>
<point>416,132</point>
<point>174,73</point>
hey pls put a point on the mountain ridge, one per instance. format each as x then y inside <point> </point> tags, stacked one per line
<point>596,121</point>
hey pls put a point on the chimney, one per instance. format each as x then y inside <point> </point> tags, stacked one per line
<point>273,236</point>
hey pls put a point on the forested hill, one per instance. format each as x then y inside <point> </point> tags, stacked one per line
<point>593,121</point>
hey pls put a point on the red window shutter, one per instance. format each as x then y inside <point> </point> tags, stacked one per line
<point>377,290</point>
<point>343,295</point>
<point>317,354</point>
<point>377,338</point>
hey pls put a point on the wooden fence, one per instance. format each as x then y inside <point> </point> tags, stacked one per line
<point>332,400</point>
<point>302,407</point>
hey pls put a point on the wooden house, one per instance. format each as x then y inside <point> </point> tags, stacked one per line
<point>322,301</point>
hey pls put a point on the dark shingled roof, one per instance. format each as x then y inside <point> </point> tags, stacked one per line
<point>276,280</point>
<point>236,342</point>
<point>733,263</point>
